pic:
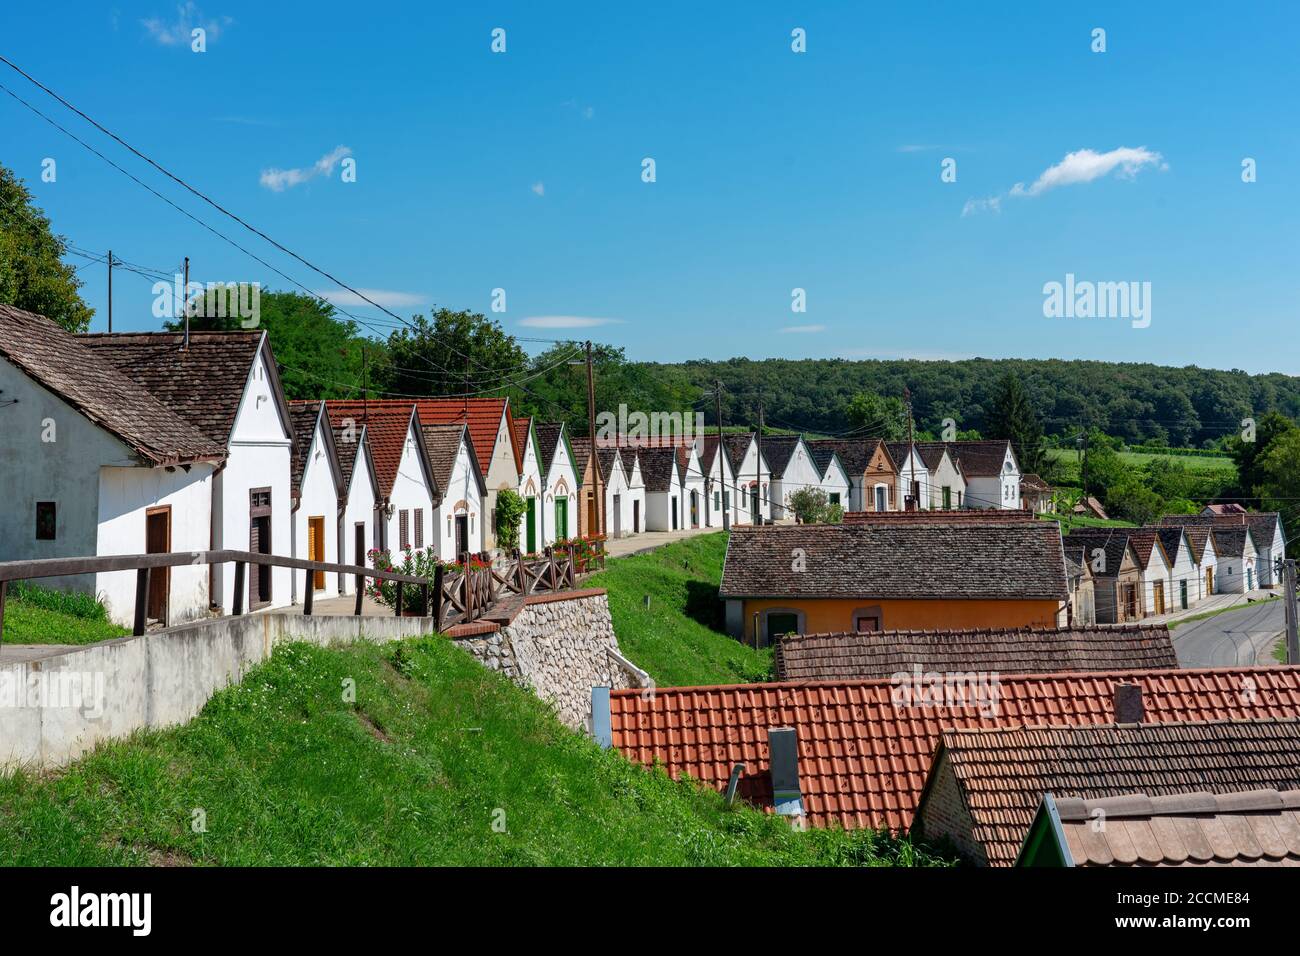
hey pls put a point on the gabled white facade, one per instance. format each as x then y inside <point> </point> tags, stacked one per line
<point>912,474</point>
<point>356,532</point>
<point>562,489</point>
<point>835,482</point>
<point>694,504</point>
<point>753,484</point>
<point>945,486</point>
<point>1207,570</point>
<point>259,449</point>
<point>102,495</point>
<point>995,491</point>
<point>719,490</point>
<point>535,532</point>
<point>415,493</point>
<point>318,503</point>
<point>502,473</point>
<point>462,502</point>
<point>800,472</point>
<point>663,506</point>
<point>1157,570</point>
<point>618,500</point>
<point>1184,577</point>
<point>1238,574</point>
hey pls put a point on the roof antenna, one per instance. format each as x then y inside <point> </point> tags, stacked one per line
<point>185,306</point>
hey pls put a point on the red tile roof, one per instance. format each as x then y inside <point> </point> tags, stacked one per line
<point>863,760</point>
<point>484,419</point>
<point>387,425</point>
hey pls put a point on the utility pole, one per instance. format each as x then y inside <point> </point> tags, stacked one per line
<point>911,454</point>
<point>597,499</point>
<point>1288,595</point>
<point>758,467</point>
<point>110,291</point>
<point>726,503</point>
<point>185,305</point>
<point>365,385</point>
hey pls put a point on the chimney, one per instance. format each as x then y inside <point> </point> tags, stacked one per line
<point>1128,704</point>
<point>783,751</point>
<point>601,727</point>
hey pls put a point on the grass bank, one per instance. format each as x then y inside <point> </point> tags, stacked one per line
<point>402,754</point>
<point>36,615</point>
<point>678,637</point>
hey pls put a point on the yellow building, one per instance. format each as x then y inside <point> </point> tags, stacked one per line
<point>810,579</point>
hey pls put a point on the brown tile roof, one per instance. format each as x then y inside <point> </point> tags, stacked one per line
<point>1172,541</point>
<point>823,657</point>
<point>347,452</point>
<point>737,446</point>
<point>931,453</point>
<point>979,458</point>
<point>1113,542</point>
<point>1231,541</point>
<point>778,449</point>
<point>1002,774</point>
<point>960,560</point>
<point>549,435</point>
<point>204,384</point>
<point>658,468</point>
<point>854,455</point>
<point>822,457</point>
<point>519,430</point>
<point>484,419</point>
<point>302,420</point>
<point>387,425</point>
<point>1146,544</point>
<point>442,444</point>
<point>952,516</point>
<point>864,758</point>
<point>65,366</point>
<point>1033,482</point>
<point>1245,828</point>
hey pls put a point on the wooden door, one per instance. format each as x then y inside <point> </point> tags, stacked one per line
<point>316,548</point>
<point>1158,597</point>
<point>561,518</point>
<point>158,540</point>
<point>259,542</point>
<point>1209,581</point>
<point>462,534</point>
<point>359,551</point>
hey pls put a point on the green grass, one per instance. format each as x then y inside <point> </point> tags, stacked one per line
<point>1069,522</point>
<point>36,615</point>
<point>679,639</point>
<point>283,770</point>
<point>1192,462</point>
<point>1223,610</point>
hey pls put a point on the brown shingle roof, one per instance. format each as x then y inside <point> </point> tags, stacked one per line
<point>387,425</point>
<point>302,421</point>
<point>442,443</point>
<point>204,384</point>
<point>1004,561</point>
<point>923,516</point>
<point>777,450</point>
<point>1005,651</point>
<point>483,415</point>
<point>1245,828</point>
<point>979,458</point>
<point>658,468</point>
<point>854,455</point>
<point>548,440</point>
<point>864,754</point>
<point>1002,774</point>
<point>1113,542</point>
<point>62,364</point>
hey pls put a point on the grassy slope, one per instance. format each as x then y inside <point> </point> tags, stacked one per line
<point>36,615</point>
<point>679,639</point>
<point>288,772</point>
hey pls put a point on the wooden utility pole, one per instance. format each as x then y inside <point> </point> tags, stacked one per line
<point>1288,595</point>
<point>597,499</point>
<point>185,304</point>
<point>110,290</point>
<point>758,467</point>
<point>726,502</point>
<point>911,454</point>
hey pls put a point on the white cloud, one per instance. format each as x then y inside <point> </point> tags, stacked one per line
<point>177,32</point>
<point>539,188</point>
<point>801,329</point>
<point>388,298</point>
<point>992,204</point>
<point>278,180</point>
<point>1081,166</point>
<point>915,148</point>
<point>1085,165</point>
<point>565,322</point>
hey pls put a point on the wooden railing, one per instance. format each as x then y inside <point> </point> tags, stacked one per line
<point>145,565</point>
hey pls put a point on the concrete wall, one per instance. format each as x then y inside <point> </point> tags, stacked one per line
<point>158,680</point>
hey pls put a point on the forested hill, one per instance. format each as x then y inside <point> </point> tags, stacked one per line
<point>1138,402</point>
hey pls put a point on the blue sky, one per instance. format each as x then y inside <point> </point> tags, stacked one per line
<point>774,170</point>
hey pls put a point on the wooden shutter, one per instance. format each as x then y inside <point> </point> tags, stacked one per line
<point>404,529</point>
<point>419,527</point>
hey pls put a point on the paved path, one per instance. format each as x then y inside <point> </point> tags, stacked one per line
<point>649,540</point>
<point>1215,602</point>
<point>24,653</point>
<point>344,604</point>
<point>1243,636</point>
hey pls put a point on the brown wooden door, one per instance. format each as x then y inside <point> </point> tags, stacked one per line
<point>259,542</point>
<point>359,552</point>
<point>316,549</point>
<point>157,540</point>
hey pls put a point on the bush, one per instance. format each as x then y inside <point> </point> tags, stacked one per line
<point>510,514</point>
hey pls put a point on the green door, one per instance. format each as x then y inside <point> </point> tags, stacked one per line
<point>531,519</point>
<point>561,518</point>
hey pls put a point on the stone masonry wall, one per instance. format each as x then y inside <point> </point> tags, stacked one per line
<point>559,647</point>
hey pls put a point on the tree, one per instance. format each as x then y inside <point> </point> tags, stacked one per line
<point>510,511</point>
<point>1131,500</point>
<point>812,506</point>
<point>32,277</point>
<point>1278,471</point>
<point>1012,417</point>
<point>1271,428</point>
<point>876,417</point>
<point>319,355</point>
<point>1102,466</point>
<point>441,356</point>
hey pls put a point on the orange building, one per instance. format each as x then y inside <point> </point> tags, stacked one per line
<point>808,579</point>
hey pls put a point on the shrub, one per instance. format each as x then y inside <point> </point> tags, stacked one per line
<point>510,513</point>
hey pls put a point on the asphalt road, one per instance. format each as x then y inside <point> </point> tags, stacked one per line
<point>1243,636</point>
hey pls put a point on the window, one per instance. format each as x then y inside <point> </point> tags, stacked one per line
<point>835,497</point>
<point>717,500</point>
<point>419,527</point>
<point>404,529</point>
<point>45,521</point>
